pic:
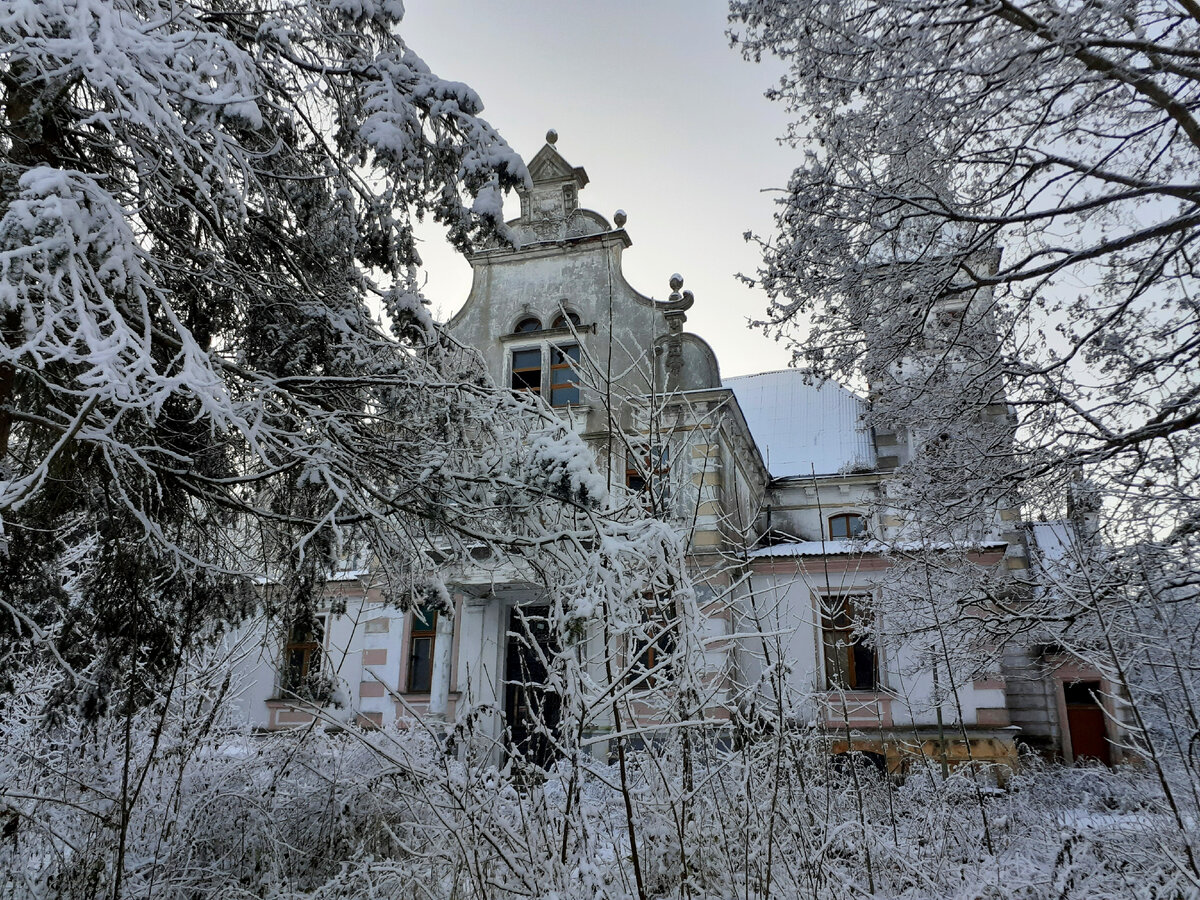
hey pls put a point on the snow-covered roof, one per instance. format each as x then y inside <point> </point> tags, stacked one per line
<point>809,548</point>
<point>1054,539</point>
<point>801,427</point>
<point>845,548</point>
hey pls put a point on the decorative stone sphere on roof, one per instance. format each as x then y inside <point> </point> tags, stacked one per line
<point>551,136</point>
<point>619,218</point>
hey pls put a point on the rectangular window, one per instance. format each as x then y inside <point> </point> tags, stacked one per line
<point>564,380</point>
<point>527,370</point>
<point>421,639</point>
<point>647,472</point>
<point>850,659</point>
<point>652,647</point>
<point>301,675</point>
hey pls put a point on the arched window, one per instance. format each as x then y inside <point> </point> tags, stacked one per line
<point>562,320</point>
<point>846,526</point>
<point>527,325</point>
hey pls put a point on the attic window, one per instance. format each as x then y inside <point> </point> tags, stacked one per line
<point>527,325</point>
<point>562,320</point>
<point>570,198</point>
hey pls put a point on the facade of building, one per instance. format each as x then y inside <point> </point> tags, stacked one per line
<point>792,542</point>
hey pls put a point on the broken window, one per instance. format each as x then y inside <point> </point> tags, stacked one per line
<point>527,370</point>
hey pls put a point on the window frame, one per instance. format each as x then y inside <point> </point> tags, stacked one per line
<point>650,465</point>
<point>839,617</point>
<point>420,630</point>
<point>312,652</point>
<point>660,627</point>
<point>568,364</point>
<point>850,534</point>
<point>517,329</point>
<point>567,319</point>
<point>515,371</point>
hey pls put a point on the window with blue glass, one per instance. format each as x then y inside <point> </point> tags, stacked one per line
<point>527,370</point>
<point>564,377</point>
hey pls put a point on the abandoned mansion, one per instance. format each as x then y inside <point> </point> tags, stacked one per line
<point>795,547</point>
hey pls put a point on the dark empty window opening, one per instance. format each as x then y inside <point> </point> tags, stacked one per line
<point>850,660</point>
<point>421,639</point>
<point>527,370</point>
<point>564,378</point>
<point>847,525</point>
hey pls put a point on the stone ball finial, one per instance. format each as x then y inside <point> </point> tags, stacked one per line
<point>620,218</point>
<point>676,281</point>
<point>551,136</point>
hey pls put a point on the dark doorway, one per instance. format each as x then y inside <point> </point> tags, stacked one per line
<point>1085,722</point>
<point>531,709</point>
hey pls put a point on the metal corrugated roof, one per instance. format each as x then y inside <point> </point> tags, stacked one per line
<point>881,548</point>
<point>800,427</point>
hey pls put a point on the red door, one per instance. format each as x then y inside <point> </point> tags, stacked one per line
<point>1086,722</point>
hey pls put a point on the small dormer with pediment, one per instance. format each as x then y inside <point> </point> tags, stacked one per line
<point>550,208</point>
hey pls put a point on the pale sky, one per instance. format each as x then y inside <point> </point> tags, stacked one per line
<point>668,120</point>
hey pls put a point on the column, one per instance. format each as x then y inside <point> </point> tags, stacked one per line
<point>443,646</point>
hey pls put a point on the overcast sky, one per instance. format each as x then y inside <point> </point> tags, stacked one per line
<point>668,120</point>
